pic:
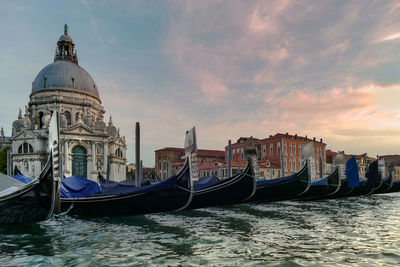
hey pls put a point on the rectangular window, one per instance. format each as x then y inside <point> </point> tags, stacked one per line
<point>271,150</point>
<point>294,149</point>
<point>284,149</point>
<point>278,149</point>
<point>290,149</point>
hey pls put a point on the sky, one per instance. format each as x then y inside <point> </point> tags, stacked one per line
<point>328,69</point>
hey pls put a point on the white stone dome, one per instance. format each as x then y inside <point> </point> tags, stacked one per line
<point>65,75</point>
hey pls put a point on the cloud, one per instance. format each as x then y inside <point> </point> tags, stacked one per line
<point>391,37</point>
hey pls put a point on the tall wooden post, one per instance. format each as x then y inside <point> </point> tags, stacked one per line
<point>229,159</point>
<point>137,154</point>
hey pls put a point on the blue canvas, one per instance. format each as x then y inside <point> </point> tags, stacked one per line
<point>77,187</point>
<point>353,179</point>
<point>320,182</point>
<point>24,179</point>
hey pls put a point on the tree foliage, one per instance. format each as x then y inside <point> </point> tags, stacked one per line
<point>3,160</point>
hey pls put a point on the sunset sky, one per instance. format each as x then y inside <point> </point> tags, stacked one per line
<point>329,69</point>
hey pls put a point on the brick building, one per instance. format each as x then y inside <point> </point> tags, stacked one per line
<point>169,160</point>
<point>290,146</point>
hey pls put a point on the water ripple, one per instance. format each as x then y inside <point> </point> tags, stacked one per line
<point>360,231</point>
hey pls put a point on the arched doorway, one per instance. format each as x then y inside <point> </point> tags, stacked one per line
<point>79,167</point>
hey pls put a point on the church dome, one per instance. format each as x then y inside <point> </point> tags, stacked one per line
<point>65,38</point>
<point>65,75</point>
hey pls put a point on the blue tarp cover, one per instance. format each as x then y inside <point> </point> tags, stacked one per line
<point>24,179</point>
<point>170,183</point>
<point>127,183</point>
<point>205,182</point>
<point>103,183</point>
<point>353,179</point>
<point>78,187</point>
<point>320,182</point>
<point>277,181</point>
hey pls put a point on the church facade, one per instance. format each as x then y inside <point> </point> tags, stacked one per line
<point>88,144</point>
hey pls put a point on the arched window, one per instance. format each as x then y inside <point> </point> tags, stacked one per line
<point>118,153</point>
<point>25,148</point>
<point>68,117</point>
<point>41,115</point>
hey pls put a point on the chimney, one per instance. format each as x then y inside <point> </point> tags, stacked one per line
<point>287,134</point>
<point>320,140</point>
<point>270,136</point>
<point>314,139</point>
<point>295,136</point>
<point>306,137</point>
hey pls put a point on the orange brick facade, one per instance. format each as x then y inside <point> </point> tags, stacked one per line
<point>291,147</point>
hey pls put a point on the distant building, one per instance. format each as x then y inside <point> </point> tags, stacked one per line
<point>290,146</point>
<point>88,144</point>
<point>363,162</point>
<point>169,160</point>
<point>392,160</point>
<point>4,140</point>
<point>148,173</point>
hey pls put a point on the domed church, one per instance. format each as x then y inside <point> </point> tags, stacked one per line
<point>88,144</point>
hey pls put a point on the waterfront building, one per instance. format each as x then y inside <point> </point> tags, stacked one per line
<point>88,144</point>
<point>148,173</point>
<point>169,160</point>
<point>392,160</point>
<point>290,146</point>
<point>363,162</point>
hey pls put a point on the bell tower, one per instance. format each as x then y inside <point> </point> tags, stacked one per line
<point>65,48</point>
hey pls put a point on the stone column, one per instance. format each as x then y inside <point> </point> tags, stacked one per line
<point>105,156</point>
<point>93,157</point>
<point>66,155</point>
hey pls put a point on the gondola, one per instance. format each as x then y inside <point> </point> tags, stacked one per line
<point>371,183</point>
<point>172,194</point>
<point>392,184</point>
<point>395,187</point>
<point>35,200</point>
<point>284,188</point>
<point>322,188</point>
<point>32,202</point>
<point>349,180</point>
<point>386,186</point>
<point>232,190</point>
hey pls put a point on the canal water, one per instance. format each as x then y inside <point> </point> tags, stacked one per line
<point>360,231</point>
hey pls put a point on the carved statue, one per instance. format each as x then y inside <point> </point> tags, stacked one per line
<point>99,163</point>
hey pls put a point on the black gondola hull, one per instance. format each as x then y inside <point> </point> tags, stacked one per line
<point>231,191</point>
<point>316,192</point>
<point>386,186</point>
<point>395,187</point>
<point>292,188</point>
<point>344,190</point>
<point>31,204</point>
<point>138,204</point>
